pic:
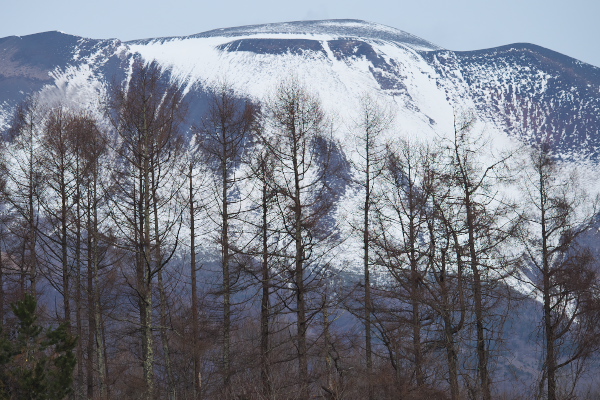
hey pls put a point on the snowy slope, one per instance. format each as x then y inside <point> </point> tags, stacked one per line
<point>340,60</point>
<point>519,90</point>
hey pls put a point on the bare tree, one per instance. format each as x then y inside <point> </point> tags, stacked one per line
<point>302,167</point>
<point>403,249</point>
<point>561,269</point>
<point>373,121</point>
<point>146,114</point>
<point>446,284</point>
<point>488,222</point>
<point>262,248</point>
<point>222,139</point>
<point>58,204</point>
<point>191,198</point>
<point>23,190</point>
<point>91,146</point>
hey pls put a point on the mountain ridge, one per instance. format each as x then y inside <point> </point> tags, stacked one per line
<point>349,56</point>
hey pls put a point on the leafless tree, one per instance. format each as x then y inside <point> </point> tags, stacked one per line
<point>262,248</point>
<point>58,205</point>
<point>402,247</point>
<point>560,268</point>
<point>488,222</point>
<point>373,121</point>
<point>223,136</point>
<point>447,284</point>
<point>90,143</point>
<point>147,113</point>
<point>296,136</point>
<point>24,187</point>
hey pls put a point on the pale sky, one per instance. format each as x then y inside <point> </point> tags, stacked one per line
<point>571,27</point>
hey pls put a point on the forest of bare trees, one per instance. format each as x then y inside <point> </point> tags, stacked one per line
<point>246,256</point>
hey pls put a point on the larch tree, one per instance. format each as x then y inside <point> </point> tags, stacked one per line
<point>147,113</point>
<point>296,136</point>
<point>24,187</point>
<point>402,248</point>
<point>90,144</point>
<point>262,248</point>
<point>223,137</point>
<point>58,205</point>
<point>372,122</point>
<point>446,284</point>
<point>488,222</point>
<point>561,268</point>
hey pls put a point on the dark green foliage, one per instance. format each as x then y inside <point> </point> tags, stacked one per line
<point>34,365</point>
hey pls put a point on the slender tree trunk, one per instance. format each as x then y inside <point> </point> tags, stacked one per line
<point>550,363</point>
<point>164,337</point>
<point>333,390</point>
<point>96,294</point>
<point>450,329</point>
<point>265,306</point>
<point>148,340</point>
<point>91,308</point>
<point>452,358</point>
<point>64,251</point>
<point>195,307</point>
<point>416,325</point>
<point>299,277</point>
<point>145,264</point>
<point>161,291</point>
<point>415,299</point>
<point>32,233</point>
<point>226,272</point>
<point>367,277</point>
<point>482,353</point>
<point>103,348</point>
<point>78,295</point>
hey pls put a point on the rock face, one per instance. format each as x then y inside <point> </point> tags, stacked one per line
<point>520,90</point>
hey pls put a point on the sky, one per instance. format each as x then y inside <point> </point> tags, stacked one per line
<point>569,27</point>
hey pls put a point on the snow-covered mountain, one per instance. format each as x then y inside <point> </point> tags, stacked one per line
<point>519,90</point>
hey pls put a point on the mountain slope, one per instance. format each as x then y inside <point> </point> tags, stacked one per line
<point>520,90</point>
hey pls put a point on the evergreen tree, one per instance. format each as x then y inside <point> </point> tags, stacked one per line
<point>34,364</point>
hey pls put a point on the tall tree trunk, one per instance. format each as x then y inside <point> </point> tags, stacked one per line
<point>367,276</point>
<point>148,340</point>
<point>32,234</point>
<point>195,307</point>
<point>159,264</point>
<point>482,353</point>
<point>415,297</point>
<point>66,272</point>
<point>96,294</point>
<point>145,264</point>
<point>451,329</point>
<point>265,304</point>
<point>164,336</point>
<point>226,272</point>
<point>299,277</point>
<point>91,308</point>
<point>550,362</point>
<point>78,294</point>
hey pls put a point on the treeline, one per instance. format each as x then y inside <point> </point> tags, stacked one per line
<point>214,263</point>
